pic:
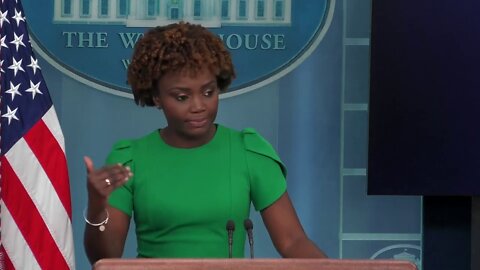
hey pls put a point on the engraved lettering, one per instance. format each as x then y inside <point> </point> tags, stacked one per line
<point>266,42</point>
<point>248,41</point>
<point>125,63</point>
<point>279,42</point>
<point>102,40</point>
<point>85,39</point>
<point>69,38</point>
<point>129,39</point>
<point>254,41</point>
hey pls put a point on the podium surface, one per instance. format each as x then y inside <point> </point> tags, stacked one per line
<point>252,264</point>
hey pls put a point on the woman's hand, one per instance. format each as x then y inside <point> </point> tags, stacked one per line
<point>101,182</point>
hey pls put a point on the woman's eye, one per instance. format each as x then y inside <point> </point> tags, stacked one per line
<point>181,98</point>
<point>209,92</point>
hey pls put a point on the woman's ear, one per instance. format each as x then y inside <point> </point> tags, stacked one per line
<point>157,102</point>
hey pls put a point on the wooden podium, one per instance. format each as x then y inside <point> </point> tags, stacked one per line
<point>251,264</point>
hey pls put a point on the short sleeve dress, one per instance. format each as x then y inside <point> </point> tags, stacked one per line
<point>181,199</point>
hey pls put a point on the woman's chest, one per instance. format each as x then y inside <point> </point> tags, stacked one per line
<point>184,189</point>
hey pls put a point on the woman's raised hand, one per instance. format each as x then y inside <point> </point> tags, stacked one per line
<point>101,182</point>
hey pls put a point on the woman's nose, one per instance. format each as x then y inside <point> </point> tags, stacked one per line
<point>197,104</point>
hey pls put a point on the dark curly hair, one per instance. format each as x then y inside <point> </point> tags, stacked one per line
<point>176,47</point>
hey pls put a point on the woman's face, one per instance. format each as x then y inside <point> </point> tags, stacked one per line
<point>190,105</point>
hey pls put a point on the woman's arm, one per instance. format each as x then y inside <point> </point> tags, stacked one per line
<point>286,231</point>
<point>110,242</point>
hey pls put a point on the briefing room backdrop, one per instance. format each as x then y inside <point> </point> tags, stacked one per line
<point>316,116</point>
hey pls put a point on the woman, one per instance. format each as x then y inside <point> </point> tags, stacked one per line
<point>183,182</point>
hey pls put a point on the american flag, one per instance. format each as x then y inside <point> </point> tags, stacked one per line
<point>35,203</point>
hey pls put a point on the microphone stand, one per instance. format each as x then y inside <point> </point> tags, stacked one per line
<point>249,228</point>
<point>230,229</point>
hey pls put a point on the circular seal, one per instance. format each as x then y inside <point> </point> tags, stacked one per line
<point>405,252</point>
<point>92,40</point>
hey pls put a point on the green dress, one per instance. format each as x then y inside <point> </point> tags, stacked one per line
<point>181,199</point>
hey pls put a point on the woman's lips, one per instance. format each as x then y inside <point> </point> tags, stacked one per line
<point>197,122</point>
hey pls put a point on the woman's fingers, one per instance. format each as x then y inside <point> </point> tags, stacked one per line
<point>104,180</point>
<point>88,164</point>
<point>116,175</point>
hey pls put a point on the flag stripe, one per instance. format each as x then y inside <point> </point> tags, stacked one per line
<point>52,159</point>
<point>42,193</point>
<point>51,120</point>
<point>24,213</point>
<point>6,262</point>
<point>16,249</point>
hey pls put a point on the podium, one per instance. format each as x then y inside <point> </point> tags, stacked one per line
<point>251,264</point>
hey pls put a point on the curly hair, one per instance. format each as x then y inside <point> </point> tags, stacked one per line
<point>172,48</point>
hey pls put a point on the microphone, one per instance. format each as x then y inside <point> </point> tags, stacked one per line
<point>230,229</point>
<point>249,228</point>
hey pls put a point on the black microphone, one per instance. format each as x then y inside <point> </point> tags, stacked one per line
<point>249,228</point>
<point>230,229</point>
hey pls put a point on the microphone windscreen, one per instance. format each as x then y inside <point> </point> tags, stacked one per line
<point>230,225</point>
<point>248,224</point>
